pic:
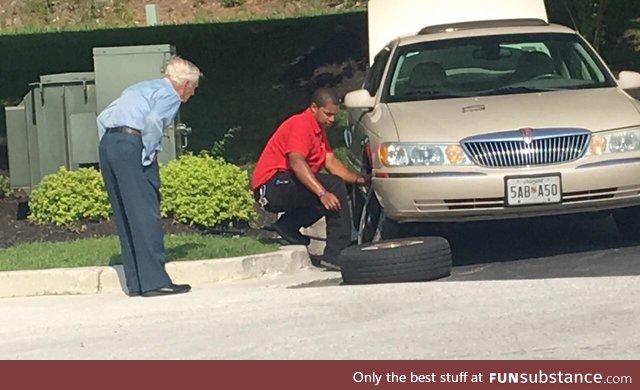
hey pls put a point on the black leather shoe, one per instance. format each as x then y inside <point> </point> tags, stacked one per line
<point>289,235</point>
<point>168,290</point>
<point>134,293</point>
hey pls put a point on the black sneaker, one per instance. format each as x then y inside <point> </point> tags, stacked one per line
<point>290,235</point>
<point>321,261</point>
<point>332,263</point>
<point>316,260</point>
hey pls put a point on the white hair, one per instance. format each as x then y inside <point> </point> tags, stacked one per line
<point>180,70</point>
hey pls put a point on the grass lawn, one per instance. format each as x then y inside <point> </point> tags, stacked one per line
<point>106,251</point>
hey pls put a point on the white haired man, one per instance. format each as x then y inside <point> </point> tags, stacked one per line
<point>130,131</point>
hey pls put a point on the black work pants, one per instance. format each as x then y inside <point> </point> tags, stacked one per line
<point>134,194</point>
<point>302,208</point>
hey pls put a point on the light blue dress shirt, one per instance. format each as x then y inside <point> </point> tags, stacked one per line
<point>149,106</point>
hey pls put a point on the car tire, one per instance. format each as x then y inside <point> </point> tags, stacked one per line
<point>413,259</point>
<point>628,222</point>
<point>373,225</point>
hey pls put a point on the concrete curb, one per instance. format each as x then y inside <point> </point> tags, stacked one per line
<point>94,280</point>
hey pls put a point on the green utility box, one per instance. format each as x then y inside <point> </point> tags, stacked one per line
<point>18,129</point>
<point>53,126</point>
<point>118,67</point>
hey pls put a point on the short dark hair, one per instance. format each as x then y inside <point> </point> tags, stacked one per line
<point>323,96</point>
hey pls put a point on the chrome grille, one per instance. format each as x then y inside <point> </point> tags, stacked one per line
<point>510,150</point>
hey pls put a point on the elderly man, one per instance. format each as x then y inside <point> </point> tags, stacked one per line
<point>130,131</point>
<point>287,178</point>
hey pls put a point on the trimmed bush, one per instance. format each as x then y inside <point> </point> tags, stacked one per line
<point>66,197</point>
<point>5,187</point>
<point>197,190</point>
<point>205,191</point>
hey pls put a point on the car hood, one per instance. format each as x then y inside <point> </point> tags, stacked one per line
<point>449,120</point>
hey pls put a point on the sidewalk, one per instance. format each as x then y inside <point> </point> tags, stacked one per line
<point>95,280</point>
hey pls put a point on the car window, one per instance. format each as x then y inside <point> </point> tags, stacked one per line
<point>374,75</point>
<point>493,65</point>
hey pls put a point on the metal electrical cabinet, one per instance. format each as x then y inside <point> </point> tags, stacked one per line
<point>118,67</point>
<point>18,130</point>
<point>55,124</point>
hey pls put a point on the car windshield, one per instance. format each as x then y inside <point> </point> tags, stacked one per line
<point>493,65</point>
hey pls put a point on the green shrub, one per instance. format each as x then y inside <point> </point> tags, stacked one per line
<point>5,187</point>
<point>201,190</point>
<point>67,197</point>
<point>205,191</point>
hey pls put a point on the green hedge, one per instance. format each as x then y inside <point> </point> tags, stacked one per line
<point>198,190</point>
<point>205,191</point>
<point>252,80</point>
<point>67,197</point>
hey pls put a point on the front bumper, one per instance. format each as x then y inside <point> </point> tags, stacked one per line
<point>473,193</point>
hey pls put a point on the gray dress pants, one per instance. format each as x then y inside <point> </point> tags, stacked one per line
<point>134,194</point>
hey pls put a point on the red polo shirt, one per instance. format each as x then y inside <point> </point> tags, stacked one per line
<point>299,133</point>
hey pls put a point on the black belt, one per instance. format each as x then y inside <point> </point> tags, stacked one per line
<point>124,129</point>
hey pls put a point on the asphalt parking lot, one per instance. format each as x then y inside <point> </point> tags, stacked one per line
<point>541,248</point>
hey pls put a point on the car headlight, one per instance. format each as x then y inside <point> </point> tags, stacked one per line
<point>618,141</point>
<point>413,154</point>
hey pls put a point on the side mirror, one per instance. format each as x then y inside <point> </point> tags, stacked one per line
<point>360,99</point>
<point>629,80</point>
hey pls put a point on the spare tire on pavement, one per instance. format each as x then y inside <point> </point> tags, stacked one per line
<point>411,259</point>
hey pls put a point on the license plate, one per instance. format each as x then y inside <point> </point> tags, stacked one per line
<point>533,190</point>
